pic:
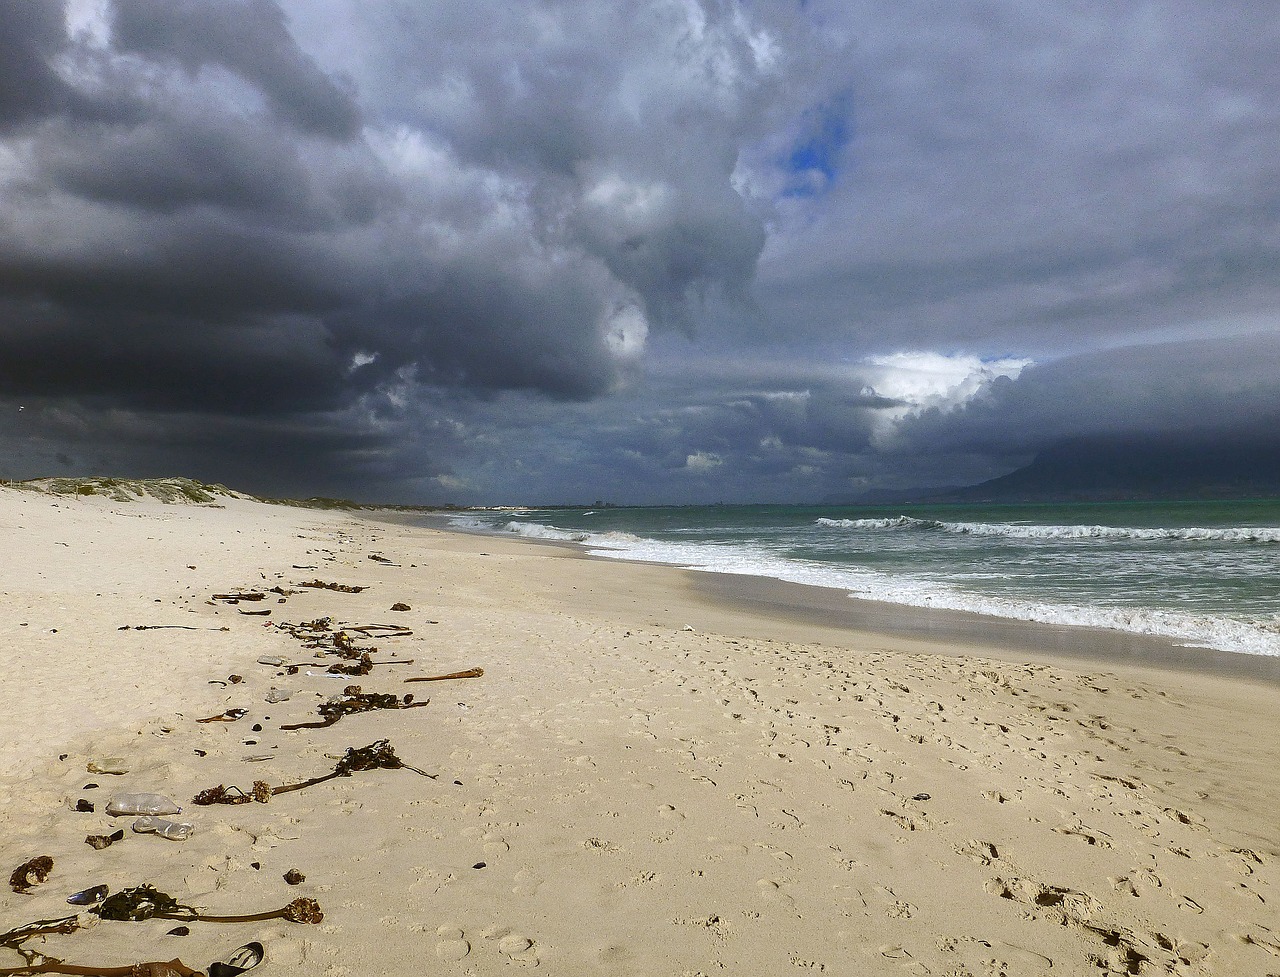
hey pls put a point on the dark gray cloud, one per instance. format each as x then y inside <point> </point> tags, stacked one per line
<point>682,249</point>
<point>29,89</point>
<point>248,38</point>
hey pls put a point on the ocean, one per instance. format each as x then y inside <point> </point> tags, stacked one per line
<point>1206,574</point>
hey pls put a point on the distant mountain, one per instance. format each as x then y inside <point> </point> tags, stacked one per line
<point>1135,467</point>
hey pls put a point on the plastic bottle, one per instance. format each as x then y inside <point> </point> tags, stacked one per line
<point>173,830</point>
<point>141,804</point>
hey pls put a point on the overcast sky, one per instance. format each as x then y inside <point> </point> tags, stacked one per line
<point>645,252</point>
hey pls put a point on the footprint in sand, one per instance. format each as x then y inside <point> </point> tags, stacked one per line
<point>519,948</point>
<point>771,891</point>
<point>451,943</point>
<point>527,884</point>
<point>668,811</point>
<point>982,852</point>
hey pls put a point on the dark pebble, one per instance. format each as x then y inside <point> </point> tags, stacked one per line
<point>180,931</point>
<point>89,787</point>
<point>255,865</point>
<point>920,797</point>
<point>84,807</point>
<point>294,877</point>
<point>257,727</point>
<point>478,865</point>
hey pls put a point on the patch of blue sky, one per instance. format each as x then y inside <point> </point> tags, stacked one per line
<point>814,162</point>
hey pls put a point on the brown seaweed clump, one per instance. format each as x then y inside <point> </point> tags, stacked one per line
<point>31,873</point>
<point>350,703</point>
<point>342,588</point>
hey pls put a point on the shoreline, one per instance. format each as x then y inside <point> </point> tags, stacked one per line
<point>650,778</point>
<point>821,612</point>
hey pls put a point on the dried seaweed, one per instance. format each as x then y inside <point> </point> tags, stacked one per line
<point>375,756</point>
<point>30,873</point>
<point>235,598</point>
<point>341,588</point>
<point>137,904</point>
<point>349,703</point>
<point>146,902</point>
<point>388,630</point>
<point>360,664</point>
<point>153,968</point>
<point>468,673</point>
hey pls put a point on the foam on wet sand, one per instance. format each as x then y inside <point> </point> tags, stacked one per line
<point>644,781</point>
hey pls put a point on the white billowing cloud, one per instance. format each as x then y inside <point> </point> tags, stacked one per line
<point>919,380</point>
<point>89,20</point>
<point>625,332</point>
<point>703,461</point>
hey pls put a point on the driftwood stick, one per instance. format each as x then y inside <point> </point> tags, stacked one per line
<point>162,627</point>
<point>469,673</point>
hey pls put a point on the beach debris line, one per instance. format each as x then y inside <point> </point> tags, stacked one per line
<point>467,673</point>
<point>30,873</point>
<point>379,755</point>
<point>322,635</point>
<point>352,700</point>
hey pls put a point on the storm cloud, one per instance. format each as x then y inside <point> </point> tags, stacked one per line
<point>679,250</point>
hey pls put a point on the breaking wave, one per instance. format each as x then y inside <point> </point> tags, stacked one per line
<point>1228,534</point>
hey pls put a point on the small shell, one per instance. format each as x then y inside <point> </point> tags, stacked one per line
<point>87,897</point>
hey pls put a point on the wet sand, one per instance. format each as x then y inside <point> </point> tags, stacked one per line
<point>660,772</point>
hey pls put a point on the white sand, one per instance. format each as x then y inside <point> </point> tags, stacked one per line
<point>645,800</point>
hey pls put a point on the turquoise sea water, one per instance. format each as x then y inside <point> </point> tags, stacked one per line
<point>1203,573</point>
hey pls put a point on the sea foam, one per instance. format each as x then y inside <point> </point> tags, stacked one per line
<point>1227,534</point>
<point>1223,634</point>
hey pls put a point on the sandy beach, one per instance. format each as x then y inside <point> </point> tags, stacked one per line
<point>655,775</point>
